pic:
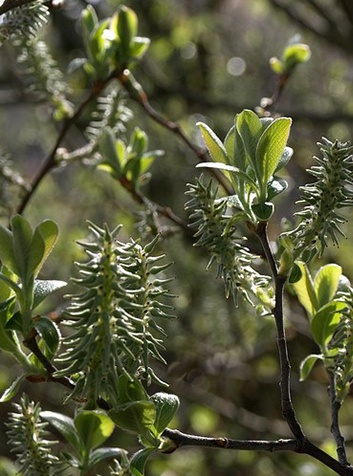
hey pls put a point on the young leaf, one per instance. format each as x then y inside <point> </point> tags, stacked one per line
<point>270,148</point>
<point>284,159</point>
<point>22,237</point>
<point>326,283</point>
<point>43,288</point>
<point>7,253</point>
<point>93,427</point>
<point>263,211</point>
<point>47,233</point>
<point>98,455</point>
<point>325,321</point>
<point>49,332</point>
<point>296,273</point>
<point>249,127</point>
<point>276,186</point>
<point>230,168</point>
<point>65,425</point>
<point>213,143</point>
<point>307,364</point>
<point>137,417</point>
<point>138,462</point>
<point>166,407</point>
<point>139,47</point>
<point>12,390</point>
<point>305,291</point>
<point>295,54</point>
<point>127,26</point>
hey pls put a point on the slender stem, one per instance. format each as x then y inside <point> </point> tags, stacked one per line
<point>335,428</point>
<point>50,162</point>
<point>294,445</point>
<point>137,94</point>
<point>32,345</point>
<point>184,439</point>
<point>285,378</point>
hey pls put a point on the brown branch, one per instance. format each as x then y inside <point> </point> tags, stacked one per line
<point>50,162</point>
<point>137,94</point>
<point>184,439</point>
<point>285,384</point>
<point>297,446</point>
<point>335,428</point>
<point>11,4</point>
<point>32,345</point>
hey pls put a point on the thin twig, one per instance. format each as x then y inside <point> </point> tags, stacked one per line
<point>50,162</point>
<point>184,439</point>
<point>285,383</point>
<point>298,446</point>
<point>32,345</point>
<point>137,94</point>
<point>335,428</point>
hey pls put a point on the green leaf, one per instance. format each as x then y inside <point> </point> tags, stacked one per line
<point>131,390</point>
<point>12,390</point>
<point>326,283</point>
<point>284,159</point>
<point>325,321</point>
<point>43,288</point>
<point>138,462</point>
<point>127,26</point>
<point>100,454</point>
<point>65,426</point>
<point>230,168</point>
<point>307,364</point>
<point>305,291</point>
<point>270,148</point>
<point>249,127</point>
<point>46,233</point>
<point>94,428</point>
<point>22,238</point>
<point>109,151</point>
<point>166,406</point>
<point>295,275</point>
<point>7,253</point>
<point>263,211</point>
<point>275,186</point>
<point>213,143</point>
<point>49,332</point>
<point>276,65</point>
<point>229,143</point>
<point>89,20</point>
<point>295,54</point>
<point>139,47</point>
<point>5,290</point>
<point>137,417</point>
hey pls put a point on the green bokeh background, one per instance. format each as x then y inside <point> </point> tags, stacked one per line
<point>207,61</point>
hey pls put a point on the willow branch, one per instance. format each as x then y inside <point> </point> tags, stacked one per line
<point>183,439</point>
<point>50,162</point>
<point>137,94</point>
<point>285,377</point>
<point>297,446</point>
<point>335,428</point>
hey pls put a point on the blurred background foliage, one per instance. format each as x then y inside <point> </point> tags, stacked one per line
<point>207,61</point>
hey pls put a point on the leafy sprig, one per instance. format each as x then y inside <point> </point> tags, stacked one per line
<point>322,202</point>
<point>218,233</point>
<point>114,317</point>
<point>27,437</point>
